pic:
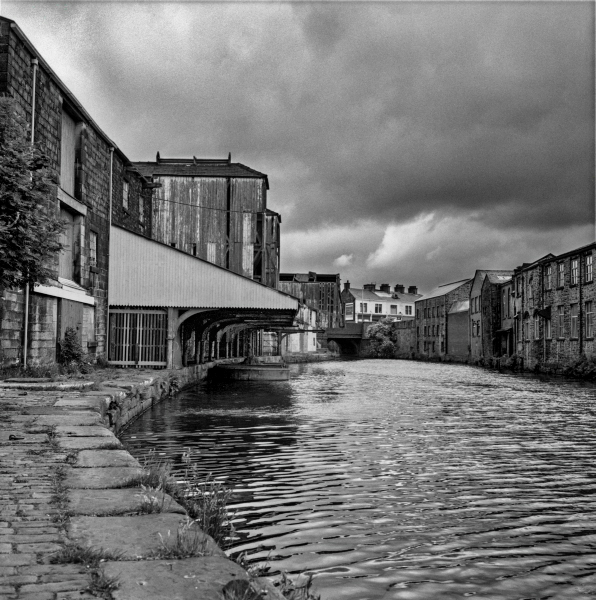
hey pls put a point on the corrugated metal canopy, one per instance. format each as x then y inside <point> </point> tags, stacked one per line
<point>148,273</point>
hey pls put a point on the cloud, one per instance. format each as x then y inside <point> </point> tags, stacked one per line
<point>344,260</point>
<point>369,118</point>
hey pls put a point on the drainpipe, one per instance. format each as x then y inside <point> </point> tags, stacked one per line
<point>34,63</point>
<point>107,342</point>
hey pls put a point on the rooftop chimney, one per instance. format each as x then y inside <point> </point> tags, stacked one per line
<point>346,286</point>
<point>369,287</point>
<point>399,288</point>
<point>385,287</point>
<point>412,289</point>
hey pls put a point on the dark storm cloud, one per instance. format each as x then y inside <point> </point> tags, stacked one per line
<point>376,123</point>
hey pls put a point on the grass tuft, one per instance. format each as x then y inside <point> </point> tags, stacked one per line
<point>189,541</point>
<point>102,585</point>
<point>84,555</point>
<point>291,591</point>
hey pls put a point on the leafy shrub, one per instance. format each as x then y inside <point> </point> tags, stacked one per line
<point>71,350</point>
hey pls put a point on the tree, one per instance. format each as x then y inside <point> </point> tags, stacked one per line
<point>382,339</point>
<point>29,225</point>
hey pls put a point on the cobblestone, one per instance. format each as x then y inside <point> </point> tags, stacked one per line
<point>28,535</point>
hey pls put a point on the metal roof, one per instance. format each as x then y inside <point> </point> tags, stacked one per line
<point>459,307</point>
<point>444,289</point>
<point>144,272</point>
<point>378,296</point>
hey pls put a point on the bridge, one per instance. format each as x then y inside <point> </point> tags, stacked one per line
<point>351,339</point>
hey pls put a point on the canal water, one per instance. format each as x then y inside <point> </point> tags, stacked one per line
<point>400,480</point>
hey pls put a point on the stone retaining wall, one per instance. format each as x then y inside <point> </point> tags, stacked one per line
<point>124,400</point>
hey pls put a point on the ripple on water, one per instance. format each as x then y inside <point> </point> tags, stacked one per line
<point>401,480</point>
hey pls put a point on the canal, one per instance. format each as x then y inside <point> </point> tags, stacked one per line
<point>400,480</point>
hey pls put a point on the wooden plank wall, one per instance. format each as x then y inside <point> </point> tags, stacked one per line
<point>176,220</point>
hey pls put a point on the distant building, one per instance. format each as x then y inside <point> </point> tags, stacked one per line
<point>320,291</point>
<point>372,304</point>
<point>554,307</point>
<point>437,328</point>
<point>483,321</point>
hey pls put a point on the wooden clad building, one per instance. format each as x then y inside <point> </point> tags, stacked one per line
<point>216,210</point>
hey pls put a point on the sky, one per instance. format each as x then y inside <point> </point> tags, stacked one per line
<point>405,142</point>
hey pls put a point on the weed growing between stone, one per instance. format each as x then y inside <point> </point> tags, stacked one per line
<point>60,497</point>
<point>102,585</point>
<point>206,501</point>
<point>152,500</point>
<point>188,541</point>
<point>84,555</point>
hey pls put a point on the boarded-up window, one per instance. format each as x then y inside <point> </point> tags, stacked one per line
<point>125,195</point>
<point>93,249</point>
<point>67,154</point>
<point>66,259</point>
<point>212,252</point>
<point>248,254</point>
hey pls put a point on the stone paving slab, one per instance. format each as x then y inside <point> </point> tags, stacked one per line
<point>83,431</point>
<point>69,418</point>
<point>200,578</point>
<point>80,403</point>
<point>136,537</point>
<point>104,478</point>
<point>119,502</point>
<point>89,443</point>
<point>105,458</point>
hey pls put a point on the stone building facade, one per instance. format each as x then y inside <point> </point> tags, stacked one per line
<point>81,159</point>
<point>554,306</point>
<point>433,328</point>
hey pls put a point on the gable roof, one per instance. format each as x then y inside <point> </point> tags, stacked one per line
<point>445,289</point>
<point>198,167</point>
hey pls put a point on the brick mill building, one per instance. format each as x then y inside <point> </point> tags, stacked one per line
<point>145,278</point>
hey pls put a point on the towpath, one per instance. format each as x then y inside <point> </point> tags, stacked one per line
<point>65,484</point>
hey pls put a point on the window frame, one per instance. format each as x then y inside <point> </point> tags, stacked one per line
<point>574,271</point>
<point>589,321</point>
<point>574,321</point>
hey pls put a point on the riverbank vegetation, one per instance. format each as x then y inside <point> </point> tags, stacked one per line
<point>207,504</point>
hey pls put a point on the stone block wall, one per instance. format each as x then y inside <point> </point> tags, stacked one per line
<point>92,185</point>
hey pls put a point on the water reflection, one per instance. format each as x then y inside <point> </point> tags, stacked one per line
<point>395,480</point>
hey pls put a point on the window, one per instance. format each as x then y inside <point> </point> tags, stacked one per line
<point>408,310</point>
<point>350,312</point>
<point>527,329</point>
<point>548,277</point>
<point>417,313</point>
<point>393,309</point>
<point>125,195</point>
<point>378,308</point>
<point>574,271</point>
<point>363,307</point>
<point>560,274</point>
<point>573,311</point>
<point>504,300</point>
<point>92,249</point>
<point>560,322</point>
<point>67,153</point>
<point>194,249</point>
<point>434,312</point>
<point>589,319</point>
<point>547,329</point>
<point>589,272</point>
<point>141,209</point>
<point>66,260</point>
<point>536,327</point>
